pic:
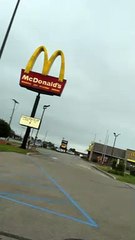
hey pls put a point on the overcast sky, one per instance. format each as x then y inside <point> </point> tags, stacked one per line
<point>98,40</point>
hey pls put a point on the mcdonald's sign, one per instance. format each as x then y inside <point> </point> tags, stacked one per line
<point>43,83</point>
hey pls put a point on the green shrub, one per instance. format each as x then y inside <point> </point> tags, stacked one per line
<point>114,164</point>
<point>120,167</point>
<point>5,129</point>
<point>116,172</point>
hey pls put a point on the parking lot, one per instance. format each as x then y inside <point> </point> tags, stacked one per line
<point>48,197</point>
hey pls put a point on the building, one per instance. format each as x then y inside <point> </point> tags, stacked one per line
<point>130,156</point>
<point>102,153</point>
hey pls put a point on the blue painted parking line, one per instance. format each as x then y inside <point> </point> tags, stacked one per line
<point>35,198</point>
<point>84,213</point>
<point>74,203</point>
<point>15,197</point>
<point>50,211</point>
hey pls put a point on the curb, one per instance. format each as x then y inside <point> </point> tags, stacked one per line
<point>130,186</point>
<point>106,173</point>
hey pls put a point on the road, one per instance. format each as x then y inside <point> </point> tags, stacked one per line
<point>57,196</point>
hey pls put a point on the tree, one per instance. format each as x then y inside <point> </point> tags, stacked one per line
<point>5,129</point>
<point>12,133</point>
<point>72,150</point>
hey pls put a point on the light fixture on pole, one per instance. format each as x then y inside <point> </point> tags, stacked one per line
<point>115,137</point>
<point>44,108</point>
<point>15,102</point>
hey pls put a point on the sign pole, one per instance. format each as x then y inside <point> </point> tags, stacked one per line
<point>27,133</point>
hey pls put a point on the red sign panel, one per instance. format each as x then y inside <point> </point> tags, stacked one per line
<point>42,84</point>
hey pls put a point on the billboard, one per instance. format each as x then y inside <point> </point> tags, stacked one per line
<point>43,83</point>
<point>30,122</point>
<point>64,144</point>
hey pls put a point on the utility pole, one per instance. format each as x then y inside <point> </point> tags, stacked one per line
<point>115,137</point>
<point>44,108</point>
<point>8,30</point>
<point>105,146</point>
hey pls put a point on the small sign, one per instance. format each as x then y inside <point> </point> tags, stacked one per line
<point>30,122</point>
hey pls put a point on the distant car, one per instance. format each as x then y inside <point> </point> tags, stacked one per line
<point>81,155</point>
<point>84,156</point>
<point>38,144</point>
<point>69,152</point>
<point>59,150</point>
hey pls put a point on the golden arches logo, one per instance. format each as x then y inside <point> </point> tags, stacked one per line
<point>47,62</point>
<point>43,83</point>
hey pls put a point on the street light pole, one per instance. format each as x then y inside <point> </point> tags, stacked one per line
<point>115,137</point>
<point>15,102</point>
<point>44,108</point>
<point>8,30</point>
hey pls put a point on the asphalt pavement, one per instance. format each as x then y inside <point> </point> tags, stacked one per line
<point>57,196</point>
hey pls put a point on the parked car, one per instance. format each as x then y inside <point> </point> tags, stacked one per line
<point>70,152</point>
<point>60,150</point>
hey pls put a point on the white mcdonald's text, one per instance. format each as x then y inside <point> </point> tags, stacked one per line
<point>41,82</point>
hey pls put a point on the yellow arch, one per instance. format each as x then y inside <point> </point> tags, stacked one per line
<point>47,62</point>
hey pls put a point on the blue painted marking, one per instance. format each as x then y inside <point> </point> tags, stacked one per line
<point>49,211</point>
<point>84,213</point>
<point>27,184</point>
<point>89,221</point>
<point>48,200</point>
<point>73,202</point>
